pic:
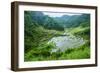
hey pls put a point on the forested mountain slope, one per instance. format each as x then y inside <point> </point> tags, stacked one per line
<point>40,28</point>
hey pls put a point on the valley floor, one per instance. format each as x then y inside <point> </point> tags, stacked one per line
<point>42,50</point>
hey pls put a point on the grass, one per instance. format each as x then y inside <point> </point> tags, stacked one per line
<point>82,52</point>
<point>41,50</point>
<point>79,32</point>
<point>44,53</point>
<point>76,30</point>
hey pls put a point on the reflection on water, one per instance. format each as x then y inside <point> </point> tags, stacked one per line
<point>65,42</point>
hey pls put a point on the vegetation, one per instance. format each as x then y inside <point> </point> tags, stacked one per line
<point>40,28</point>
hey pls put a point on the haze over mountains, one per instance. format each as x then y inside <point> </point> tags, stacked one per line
<point>65,21</point>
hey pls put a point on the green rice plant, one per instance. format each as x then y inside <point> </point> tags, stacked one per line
<point>83,52</point>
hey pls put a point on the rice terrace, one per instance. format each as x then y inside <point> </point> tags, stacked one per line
<point>56,36</point>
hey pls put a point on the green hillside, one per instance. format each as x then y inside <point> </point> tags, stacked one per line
<point>40,28</point>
